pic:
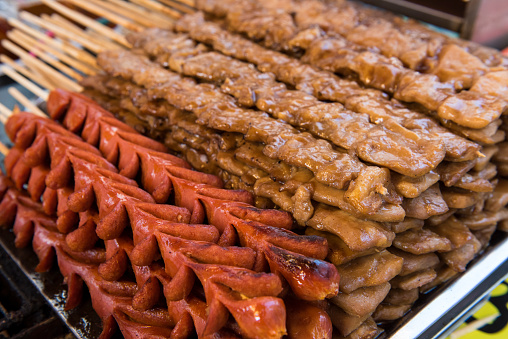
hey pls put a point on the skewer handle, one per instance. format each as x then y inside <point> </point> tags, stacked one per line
<point>5,113</point>
<point>88,22</point>
<point>156,6</point>
<point>25,102</point>
<point>4,150</point>
<point>25,83</point>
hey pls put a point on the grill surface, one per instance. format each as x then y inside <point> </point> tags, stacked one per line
<point>24,314</point>
<point>35,304</point>
<point>14,305</point>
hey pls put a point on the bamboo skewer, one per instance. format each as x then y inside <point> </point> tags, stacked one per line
<point>153,5</point>
<point>4,150</point>
<point>27,44</point>
<point>96,36</point>
<point>62,80</point>
<point>39,69</point>
<point>24,71</point>
<point>93,7</point>
<point>76,31</point>
<point>137,13</point>
<point>190,3</point>
<point>63,25</point>
<point>26,83</point>
<point>43,68</point>
<point>178,6</point>
<point>41,72</point>
<point>5,113</point>
<point>23,100</point>
<point>85,33</point>
<point>73,61</point>
<point>59,20</point>
<point>62,32</point>
<point>86,21</point>
<point>62,22</point>
<point>59,55</point>
<point>67,48</point>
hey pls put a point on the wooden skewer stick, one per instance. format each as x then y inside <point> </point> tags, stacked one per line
<point>59,20</point>
<point>89,34</point>
<point>153,5</point>
<point>4,110</point>
<point>472,326</point>
<point>136,13</point>
<point>59,55</point>
<point>38,68</point>
<point>61,32</point>
<point>62,79</point>
<point>25,83</point>
<point>92,7</point>
<point>67,48</point>
<point>4,150</point>
<point>5,113</point>
<point>22,70</point>
<point>86,21</point>
<point>62,22</point>
<point>138,8</point>
<point>23,100</point>
<point>178,6</point>
<point>48,73</point>
<point>190,3</point>
<point>26,44</point>
<point>96,36</point>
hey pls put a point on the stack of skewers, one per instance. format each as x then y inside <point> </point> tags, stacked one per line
<point>383,139</point>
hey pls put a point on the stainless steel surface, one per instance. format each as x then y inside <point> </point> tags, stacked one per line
<point>474,308</point>
<point>442,308</point>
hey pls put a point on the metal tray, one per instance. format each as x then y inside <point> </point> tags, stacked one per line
<point>439,312</point>
<point>83,322</point>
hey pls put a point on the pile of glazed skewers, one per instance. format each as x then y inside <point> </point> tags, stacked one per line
<point>383,140</point>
